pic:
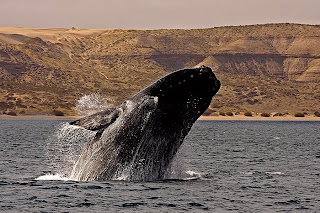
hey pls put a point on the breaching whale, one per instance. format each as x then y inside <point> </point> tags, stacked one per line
<point>137,140</point>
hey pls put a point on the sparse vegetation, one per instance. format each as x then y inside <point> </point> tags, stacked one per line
<point>208,112</point>
<point>278,114</point>
<point>317,114</point>
<point>222,113</point>
<point>264,114</point>
<point>57,113</point>
<point>299,114</point>
<point>229,113</point>
<point>249,114</point>
<point>11,99</point>
<point>12,113</point>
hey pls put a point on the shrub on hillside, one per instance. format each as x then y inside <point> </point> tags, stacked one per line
<point>57,113</point>
<point>264,114</point>
<point>208,112</point>
<point>278,114</point>
<point>222,113</point>
<point>248,114</point>
<point>299,114</point>
<point>12,113</point>
<point>229,113</point>
<point>216,105</point>
<point>317,114</point>
<point>11,99</point>
<point>3,105</point>
<point>252,102</point>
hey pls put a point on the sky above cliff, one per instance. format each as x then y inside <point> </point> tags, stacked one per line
<point>155,14</point>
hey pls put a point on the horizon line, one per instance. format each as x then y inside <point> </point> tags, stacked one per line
<point>125,28</point>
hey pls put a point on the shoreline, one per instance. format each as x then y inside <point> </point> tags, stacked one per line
<point>258,118</point>
<point>201,118</point>
<point>38,117</point>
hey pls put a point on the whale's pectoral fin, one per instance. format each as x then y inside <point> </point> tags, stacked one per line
<point>99,120</point>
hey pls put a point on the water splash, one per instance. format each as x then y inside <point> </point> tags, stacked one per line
<point>64,147</point>
<point>274,173</point>
<point>53,177</point>
<point>90,104</point>
<point>178,169</point>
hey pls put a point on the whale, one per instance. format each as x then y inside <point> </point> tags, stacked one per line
<point>137,140</point>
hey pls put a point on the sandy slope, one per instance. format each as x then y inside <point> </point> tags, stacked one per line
<point>9,34</point>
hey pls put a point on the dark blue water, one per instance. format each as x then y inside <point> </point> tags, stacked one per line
<point>242,167</point>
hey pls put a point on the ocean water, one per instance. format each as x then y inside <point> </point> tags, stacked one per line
<point>223,166</point>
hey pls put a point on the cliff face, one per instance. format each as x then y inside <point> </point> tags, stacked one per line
<point>272,67</point>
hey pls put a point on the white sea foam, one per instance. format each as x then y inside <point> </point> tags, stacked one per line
<point>248,173</point>
<point>53,177</point>
<point>274,173</point>
<point>193,173</point>
<point>269,173</point>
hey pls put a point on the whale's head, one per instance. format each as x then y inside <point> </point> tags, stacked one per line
<point>185,92</point>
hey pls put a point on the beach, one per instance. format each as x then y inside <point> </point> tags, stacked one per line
<point>258,118</point>
<point>38,117</point>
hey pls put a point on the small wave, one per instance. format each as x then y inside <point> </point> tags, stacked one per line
<point>193,174</point>
<point>274,173</point>
<point>247,173</point>
<point>190,175</point>
<point>53,177</point>
<point>261,173</point>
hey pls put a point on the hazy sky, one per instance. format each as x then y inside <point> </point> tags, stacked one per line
<point>153,14</point>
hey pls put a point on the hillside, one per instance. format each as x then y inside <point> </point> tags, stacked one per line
<point>263,68</point>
